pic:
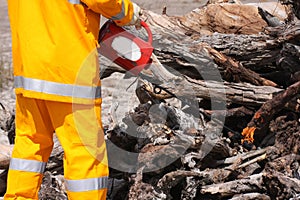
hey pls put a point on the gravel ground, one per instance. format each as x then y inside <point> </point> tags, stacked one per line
<point>5,40</point>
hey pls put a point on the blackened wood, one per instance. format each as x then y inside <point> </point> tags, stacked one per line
<point>263,116</point>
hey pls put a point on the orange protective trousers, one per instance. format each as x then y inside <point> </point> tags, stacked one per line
<point>79,130</point>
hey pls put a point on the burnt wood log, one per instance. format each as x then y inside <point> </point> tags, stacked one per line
<point>288,164</point>
<point>212,18</point>
<point>3,178</point>
<point>248,185</point>
<point>237,93</point>
<point>245,156</point>
<point>259,124</point>
<point>251,196</point>
<point>174,84</point>
<point>286,131</point>
<point>244,47</point>
<point>141,190</point>
<point>260,52</point>
<point>171,179</point>
<point>295,5</point>
<point>233,71</point>
<point>218,177</point>
<point>181,52</point>
<point>280,186</point>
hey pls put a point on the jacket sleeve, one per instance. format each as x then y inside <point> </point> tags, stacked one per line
<point>120,11</point>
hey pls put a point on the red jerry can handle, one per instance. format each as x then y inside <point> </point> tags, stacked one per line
<point>105,28</point>
<point>146,27</point>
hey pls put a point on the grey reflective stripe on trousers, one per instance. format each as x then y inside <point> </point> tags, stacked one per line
<point>48,87</point>
<point>74,1</point>
<point>27,165</point>
<point>89,184</point>
<point>121,14</point>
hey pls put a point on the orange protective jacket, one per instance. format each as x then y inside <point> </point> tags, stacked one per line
<point>53,45</point>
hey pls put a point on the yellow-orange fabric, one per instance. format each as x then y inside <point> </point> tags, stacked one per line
<point>53,46</point>
<point>78,128</point>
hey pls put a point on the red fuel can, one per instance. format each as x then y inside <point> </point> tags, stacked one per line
<point>124,48</point>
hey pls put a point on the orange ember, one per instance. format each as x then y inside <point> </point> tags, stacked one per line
<point>248,134</point>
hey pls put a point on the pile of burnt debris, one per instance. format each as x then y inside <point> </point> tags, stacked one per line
<point>222,122</point>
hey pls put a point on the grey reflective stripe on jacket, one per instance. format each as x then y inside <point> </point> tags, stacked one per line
<point>27,165</point>
<point>121,14</point>
<point>89,184</point>
<point>48,87</point>
<point>74,1</point>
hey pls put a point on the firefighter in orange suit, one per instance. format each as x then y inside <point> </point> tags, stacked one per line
<point>58,90</point>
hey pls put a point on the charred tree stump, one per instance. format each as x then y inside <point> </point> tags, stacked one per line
<point>259,124</point>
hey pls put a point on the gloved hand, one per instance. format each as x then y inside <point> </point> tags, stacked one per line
<point>136,21</point>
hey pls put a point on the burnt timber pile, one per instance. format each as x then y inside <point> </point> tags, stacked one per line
<point>226,127</point>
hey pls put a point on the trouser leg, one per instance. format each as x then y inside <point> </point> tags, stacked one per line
<point>85,160</point>
<point>33,145</point>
